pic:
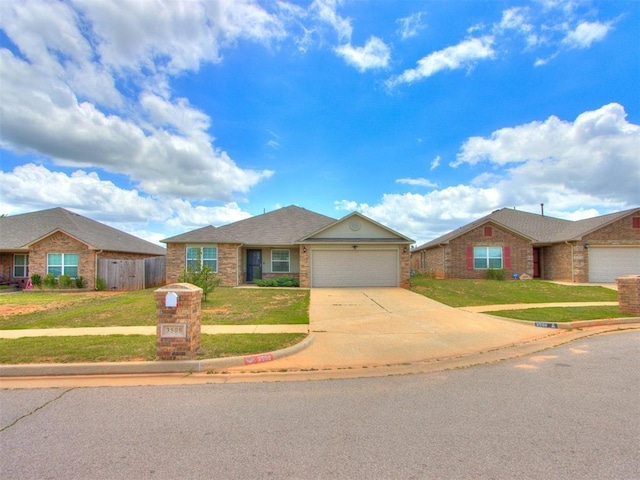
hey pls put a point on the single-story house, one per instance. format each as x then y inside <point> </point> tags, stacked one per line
<point>319,251</point>
<point>598,249</point>
<point>60,242</point>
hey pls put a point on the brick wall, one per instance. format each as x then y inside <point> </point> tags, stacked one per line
<point>305,267</point>
<point>62,243</point>
<point>405,266</point>
<point>629,294</point>
<point>229,262</point>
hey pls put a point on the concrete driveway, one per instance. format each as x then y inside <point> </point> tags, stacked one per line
<point>355,327</point>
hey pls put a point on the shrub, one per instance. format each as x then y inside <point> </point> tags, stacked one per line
<point>49,280</point>
<point>36,280</point>
<point>278,282</point>
<point>496,274</point>
<point>203,277</point>
<point>64,281</point>
<point>101,285</point>
<point>80,283</point>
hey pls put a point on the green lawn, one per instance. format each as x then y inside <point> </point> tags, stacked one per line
<point>228,306</point>
<point>122,348</point>
<point>563,314</point>
<point>465,293</point>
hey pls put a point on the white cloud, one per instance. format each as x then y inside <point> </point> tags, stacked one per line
<point>463,55</point>
<point>374,54</point>
<point>410,26</point>
<point>417,182</point>
<point>586,33</point>
<point>325,12</point>
<point>435,163</point>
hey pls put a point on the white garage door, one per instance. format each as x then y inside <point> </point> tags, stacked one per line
<point>608,263</point>
<point>354,268</point>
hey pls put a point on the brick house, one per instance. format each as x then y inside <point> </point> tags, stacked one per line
<point>596,249</point>
<point>62,242</point>
<point>319,251</point>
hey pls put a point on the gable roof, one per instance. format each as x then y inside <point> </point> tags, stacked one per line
<point>18,232</point>
<point>379,233</point>
<point>280,227</point>
<point>536,228</point>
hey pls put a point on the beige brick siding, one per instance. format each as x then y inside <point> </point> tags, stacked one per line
<point>229,262</point>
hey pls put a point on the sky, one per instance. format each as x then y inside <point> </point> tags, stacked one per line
<point>160,117</point>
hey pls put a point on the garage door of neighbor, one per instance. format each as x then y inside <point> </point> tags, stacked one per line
<point>354,268</point>
<point>608,263</point>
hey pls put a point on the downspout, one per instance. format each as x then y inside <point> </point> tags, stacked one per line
<point>573,277</point>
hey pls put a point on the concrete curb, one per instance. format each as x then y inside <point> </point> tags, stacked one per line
<point>153,367</point>
<point>605,322</point>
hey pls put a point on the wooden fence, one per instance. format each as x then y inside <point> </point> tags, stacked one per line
<point>132,274</point>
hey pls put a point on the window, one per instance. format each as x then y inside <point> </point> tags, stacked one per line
<point>21,265</point>
<point>487,257</point>
<point>280,260</point>
<point>198,257</point>
<point>62,264</point>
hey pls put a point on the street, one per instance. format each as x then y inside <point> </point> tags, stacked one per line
<point>565,413</point>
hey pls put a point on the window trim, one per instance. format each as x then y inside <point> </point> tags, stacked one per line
<point>488,257</point>
<point>25,265</point>
<point>287,261</point>
<point>201,248</point>
<point>64,265</point>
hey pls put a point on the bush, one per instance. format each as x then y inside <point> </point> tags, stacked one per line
<point>101,285</point>
<point>49,280</point>
<point>36,280</point>
<point>496,274</point>
<point>64,281</point>
<point>80,283</point>
<point>278,282</point>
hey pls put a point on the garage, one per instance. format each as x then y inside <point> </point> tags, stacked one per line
<point>608,263</point>
<point>354,268</point>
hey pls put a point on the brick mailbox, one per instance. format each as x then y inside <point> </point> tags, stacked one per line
<point>179,319</point>
<point>629,294</point>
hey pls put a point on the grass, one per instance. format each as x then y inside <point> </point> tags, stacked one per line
<point>562,314</point>
<point>466,293</point>
<point>224,306</point>
<point>122,348</point>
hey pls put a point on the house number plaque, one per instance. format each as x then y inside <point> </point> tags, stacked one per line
<point>173,330</point>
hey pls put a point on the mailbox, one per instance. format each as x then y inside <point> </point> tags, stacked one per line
<point>171,300</point>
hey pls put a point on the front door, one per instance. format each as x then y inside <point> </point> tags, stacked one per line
<point>536,263</point>
<point>254,265</point>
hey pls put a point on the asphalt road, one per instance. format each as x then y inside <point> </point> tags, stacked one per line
<point>572,412</point>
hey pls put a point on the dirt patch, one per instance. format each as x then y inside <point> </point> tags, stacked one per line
<point>15,309</point>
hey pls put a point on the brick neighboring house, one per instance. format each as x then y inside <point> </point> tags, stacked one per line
<point>62,242</point>
<point>596,249</point>
<point>318,250</point>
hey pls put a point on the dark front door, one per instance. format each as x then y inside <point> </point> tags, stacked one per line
<point>536,263</point>
<point>254,265</point>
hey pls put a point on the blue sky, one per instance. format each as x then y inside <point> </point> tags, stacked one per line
<point>161,117</point>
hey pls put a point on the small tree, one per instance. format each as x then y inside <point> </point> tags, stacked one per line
<point>201,276</point>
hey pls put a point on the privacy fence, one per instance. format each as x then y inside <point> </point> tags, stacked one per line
<point>132,274</point>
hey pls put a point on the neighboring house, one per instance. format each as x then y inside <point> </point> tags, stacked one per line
<point>596,249</point>
<point>318,250</point>
<point>62,242</point>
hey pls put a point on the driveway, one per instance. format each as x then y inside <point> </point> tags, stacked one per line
<point>390,326</point>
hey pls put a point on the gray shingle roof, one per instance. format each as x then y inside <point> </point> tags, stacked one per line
<point>18,231</point>
<point>537,228</point>
<point>280,227</point>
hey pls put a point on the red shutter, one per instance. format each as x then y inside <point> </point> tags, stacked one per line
<point>635,222</point>
<point>488,231</point>
<point>469,258</point>
<point>506,257</point>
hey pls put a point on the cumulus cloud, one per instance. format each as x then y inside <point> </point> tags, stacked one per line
<point>374,54</point>
<point>463,55</point>
<point>586,33</point>
<point>577,169</point>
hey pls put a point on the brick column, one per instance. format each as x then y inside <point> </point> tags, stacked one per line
<point>178,326</point>
<point>629,294</point>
